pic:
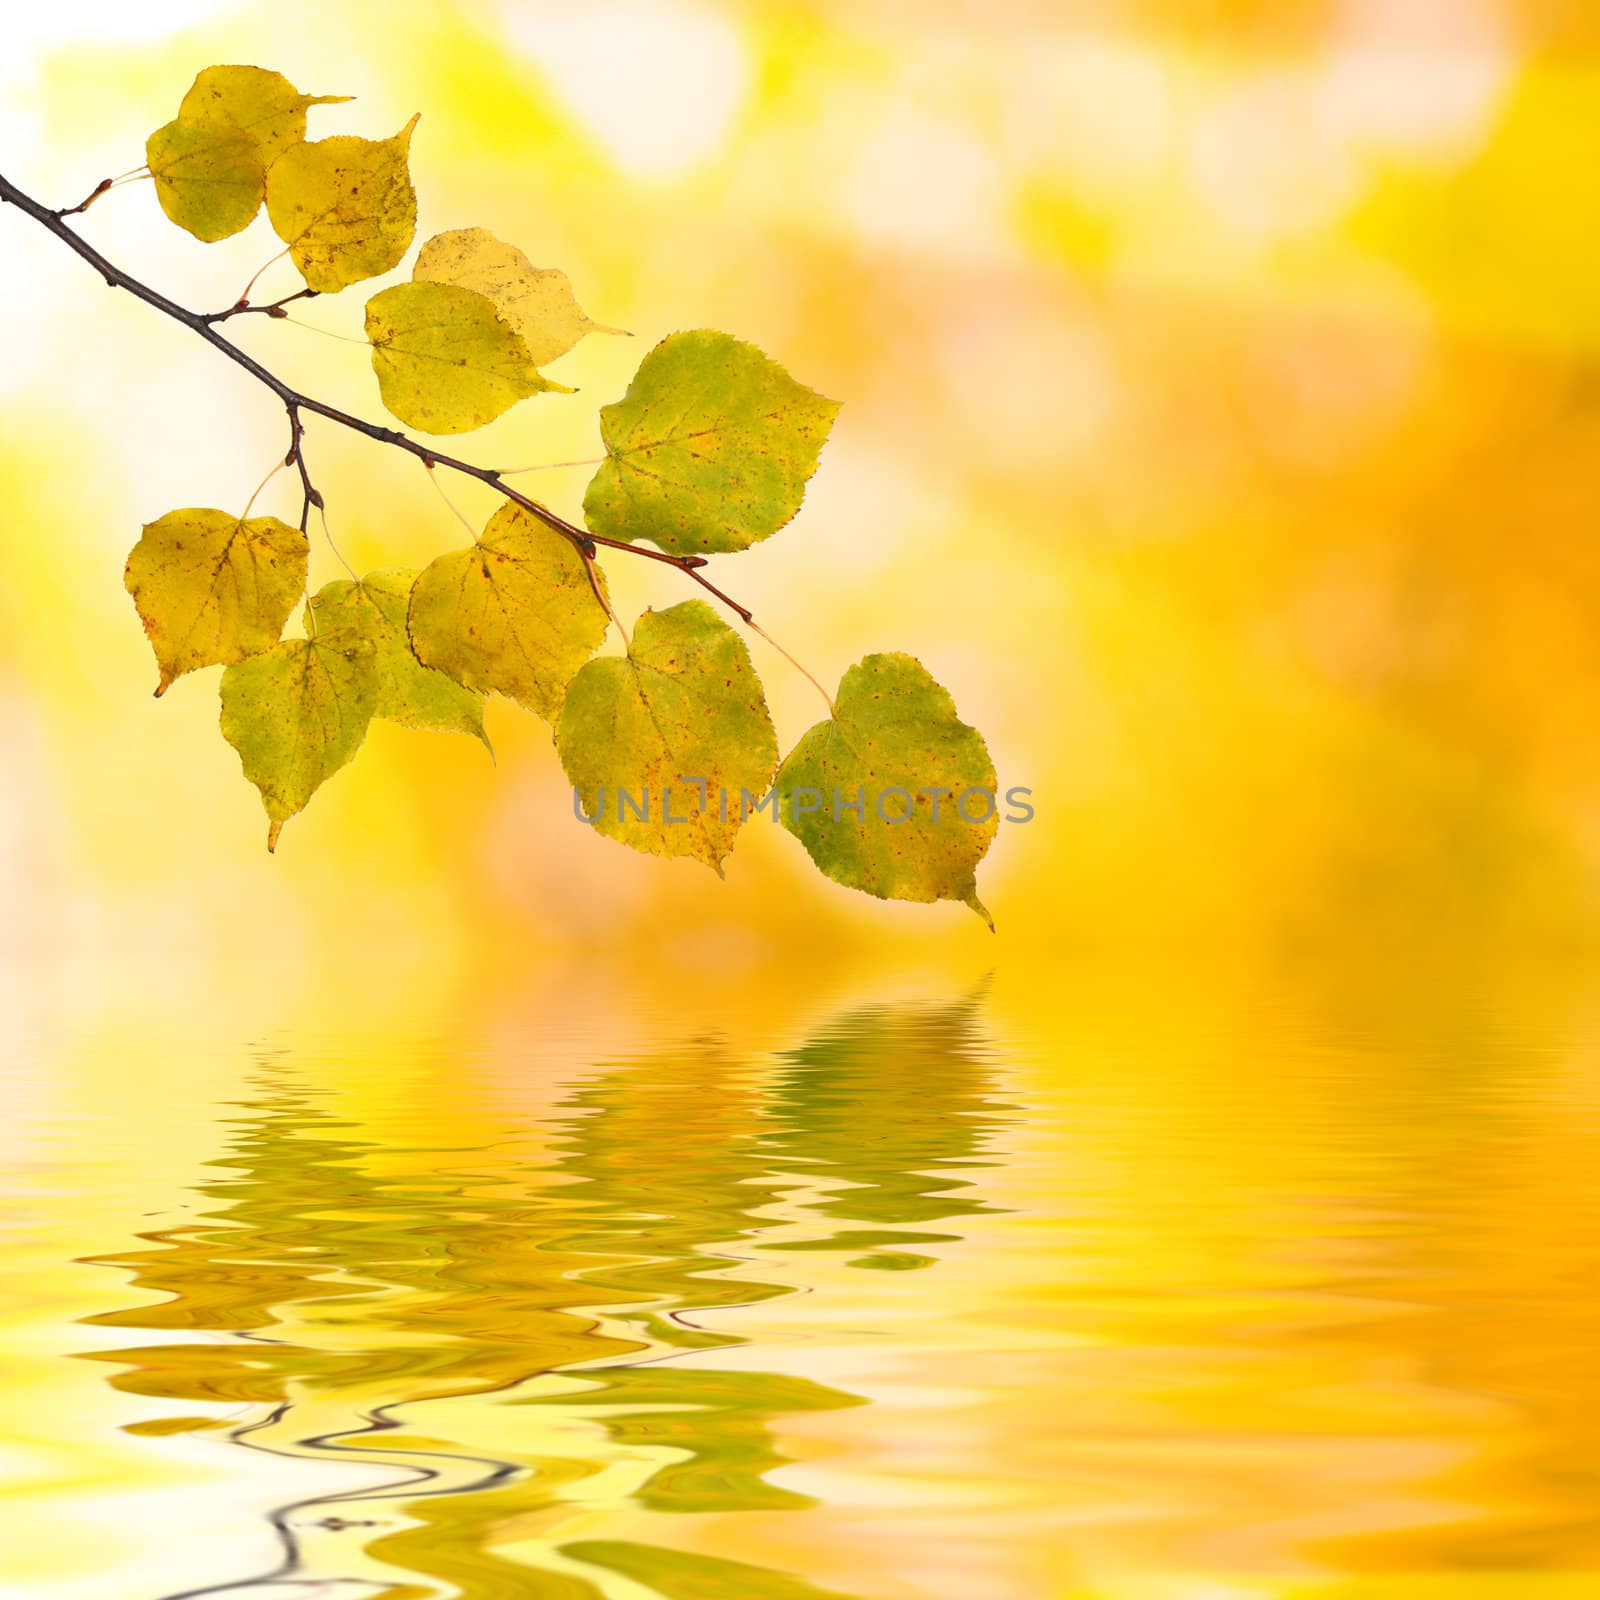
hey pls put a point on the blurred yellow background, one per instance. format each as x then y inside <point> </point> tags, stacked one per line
<point>1218,426</point>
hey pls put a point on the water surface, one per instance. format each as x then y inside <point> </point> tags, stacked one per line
<point>932,1300</point>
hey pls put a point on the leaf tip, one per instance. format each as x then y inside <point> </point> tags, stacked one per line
<point>978,906</point>
<point>273,830</point>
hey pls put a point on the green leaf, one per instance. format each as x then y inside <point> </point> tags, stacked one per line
<point>263,104</point>
<point>710,449</point>
<point>537,301</point>
<point>373,613</point>
<point>212,588</point>
<point>514,614</point>
<point>296,715</point>
<point>893,729</point>
<point>684,703</point>
<point>446,360</point>
<point>344,206</point>
<point>208,174</point>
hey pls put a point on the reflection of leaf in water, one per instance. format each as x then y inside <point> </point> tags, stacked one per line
<point>452,1543</point>
<point>887,1098</point>
<point>668,1151</point>
<point>685,1575</point>
<point>307,1225</point>
<point>720,1418</point>
<point>347,1283</point>
<point>233,1276</point>
<point>375,1292</point>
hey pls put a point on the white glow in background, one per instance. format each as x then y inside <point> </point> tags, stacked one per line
<point>658,85</point>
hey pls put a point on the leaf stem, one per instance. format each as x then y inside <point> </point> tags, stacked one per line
<point>327,533</point>
<point>550,466</point>
<point>327,333</point>
<point>276,469</point>
<point>460,515</point>
<point>244,297</point>
<point>754,627</point>
<point>295,402</point>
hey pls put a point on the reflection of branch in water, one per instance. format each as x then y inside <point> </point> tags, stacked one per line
<point>352,1287</point>
<point>303,1227</point>
<point>291,1566</point>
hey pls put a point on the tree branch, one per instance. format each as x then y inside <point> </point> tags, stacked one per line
<point>295,403</point>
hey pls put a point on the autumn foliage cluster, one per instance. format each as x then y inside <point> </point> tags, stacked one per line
<point>707,452</point>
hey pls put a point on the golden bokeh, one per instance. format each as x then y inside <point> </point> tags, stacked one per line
<point>1215,425</point>
<point>1218,424</point>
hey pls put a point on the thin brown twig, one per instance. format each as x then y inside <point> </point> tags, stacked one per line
<point>294,403</point>
<point>309,493</point>
<point>105,186</point>
<point>88,200</point>
<point>244,309</point>
<point>597,583</point>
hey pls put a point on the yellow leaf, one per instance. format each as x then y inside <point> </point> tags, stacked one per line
<point>208,174</point>
<point>344,206</point>
<point>446,361</point>
<point>660,744</point>
<point>710,448</point>
<point>894,794</point>
<point>514,614</point>
<point>212,588</point>
<point>263,104</point>
<point>296,715</point>
<point>537,301</point>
